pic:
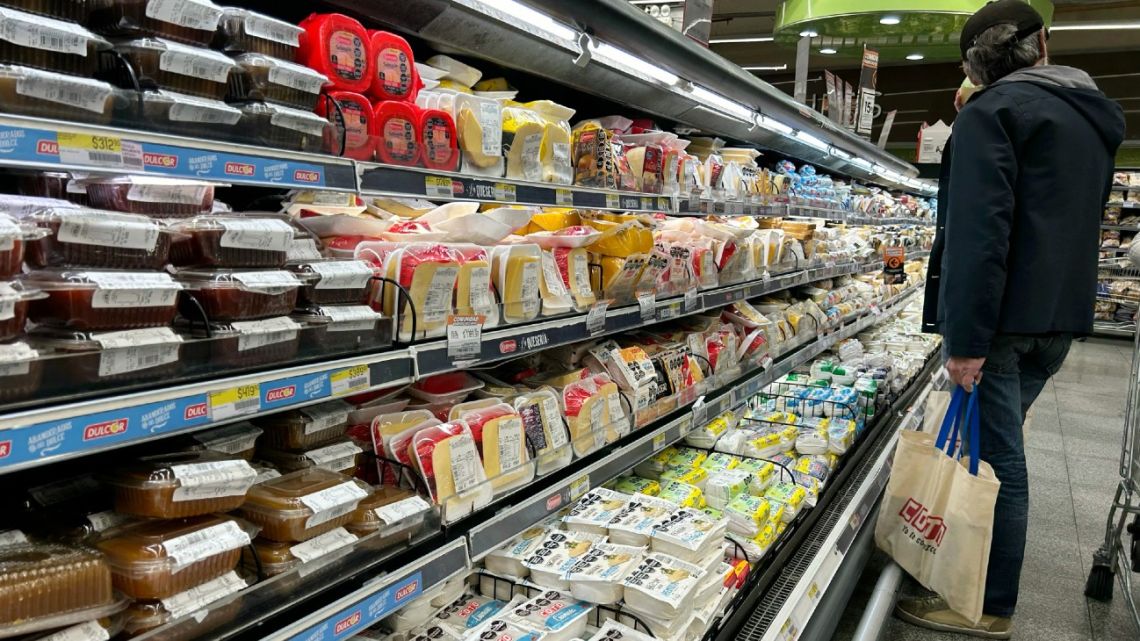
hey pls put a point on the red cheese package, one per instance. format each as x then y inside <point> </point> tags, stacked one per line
<point>477,418</point>
<point>397,126</point>
<point>336,46</point>
<point>474,293</point>
<point>439,142</point>
<point>352,113</point>
<point>585,415</point>
<point>498,430</point>
<point>448,460</point>
<point>428,272</point>
<point>394,75</point>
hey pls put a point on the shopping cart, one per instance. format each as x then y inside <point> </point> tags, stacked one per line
<point>1116,558</point>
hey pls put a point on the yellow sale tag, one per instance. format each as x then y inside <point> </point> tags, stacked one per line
<point>505,193</point>
<point>563,198</point>
<point>350,379</point>
<point>579,486</point>
<point>91,142</point>
<point>658,441</point>
<point>235,401</point>
<point>663,204</point>
<point>438,186</point>
<point>613,201</point>
<point>89,149</point>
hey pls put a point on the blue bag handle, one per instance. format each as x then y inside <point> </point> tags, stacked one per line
<point>974,423</point>
<point>968,420</point>
<point>950,421</point>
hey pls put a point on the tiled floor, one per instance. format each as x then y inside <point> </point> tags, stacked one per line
<point>1073,451</point>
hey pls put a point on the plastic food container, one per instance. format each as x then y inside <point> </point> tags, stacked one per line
<point>154,195</point>
<point>303,504</point>
<point>14,302</point>
<point>178,67</point>
<point>171,486</point>
<point>268,79</point>
<point>35,92</point>
<point>192,21</point>
<point>228,296</point>
<point>283,127</point>
<point>21,372</point>
<point>95,300</point>
<point>143,616</point>
<point>334,282</point>
<point>305,428</point>
<point>397,130</point>
<point>232,241</point>
<point>69,10</point>
<point>95,238</point>
<point>191,115</point>
<point>40,581</point>
<point>269,558</point>
<point>394,75</point>
<point>12,239</point>
<point>248,343</point>
<point>341,456</point>
<point>46,43</point>
<point>439,143</point>
<point>158,559</point>
<point>336,46</point>
<point>86,358</point>
<point>351,113</point>
<point>238,440</point>
<point>241,30</point>
<point>398,512</point>
<point>344,327</point>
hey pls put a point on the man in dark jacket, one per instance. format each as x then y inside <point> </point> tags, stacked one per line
<point>1013,272</point>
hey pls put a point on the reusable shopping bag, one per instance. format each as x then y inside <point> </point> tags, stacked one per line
<point>936,520</point>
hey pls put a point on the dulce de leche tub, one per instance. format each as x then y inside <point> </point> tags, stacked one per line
<point>303,504</point>
<point>44,580</point>
<point>80,237</point>
<point>233,295</point>
<point>91,300</point>
<point>182,484</point>
<point>232,241</point>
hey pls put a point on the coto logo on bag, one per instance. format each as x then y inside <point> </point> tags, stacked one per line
<point>922,528</point>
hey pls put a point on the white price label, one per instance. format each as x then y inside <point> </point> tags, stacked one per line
<point>464,336</point>
<point>108,230</point>
<point>320,418</point>
<point>400,511</point>
<point>332,502</point>
<point>466,468</point>
<point>692,300</point>
<point>235,401</point>
<point>296,77</point>
<point>260,26</point>
<point>321,545</point>
<point>121,290</point>
<point>162,193</point>
<point>40,32</point>
<point>563,198</point>
<point>579,487</point>
<point>195,62</point>
<point>342,274</point>
<point>596,318</point>
<point>214,479</point>
<point>203,595</point>
<point>89,631</point>
<point>194,109</point>
<point>107,519</point>
<point>264,234</point>
<point>647,303</point>
<point>205,543</point>
<point>491,122</point>
<point>505,193</point>
<point>258,334</point>
<point>113,362</point>
<point>302,121</point>
<point>302,249</point>
<point>85,93</point>
<point>202,15</point>
<point>350,380</point>
<point>336,457</point>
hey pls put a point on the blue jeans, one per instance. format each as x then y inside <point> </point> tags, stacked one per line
<point>1015,371</point>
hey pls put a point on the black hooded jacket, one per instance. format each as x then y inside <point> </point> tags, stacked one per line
<point>1025,177</point>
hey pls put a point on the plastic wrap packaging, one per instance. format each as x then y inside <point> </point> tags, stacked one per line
<point>790,496</point>
<point>695,476</point>
<point>303,504</point>
<point>429,273</point>
<point>439,140</point>
<point>47,94</point>
<point>652,467</point>
<point>262,78</point>
<point>687,534</point>
<point>143,616</point>
<point>555,614</point>
<point>726,485</point>
<point>94,238</point>
<point>597,576</point>
<point>334,282</point>
<point>232,241</point>
<point>508,560</point>
<point>305,428</point>
<point>516,273</point>
<point>502,437</point>
<point>47,43</point>
<point>178,67</point>
<point>682,494</point>
<point>228,296</point>
<point>238,439</point>
<point>747,514</point>
<point>352,113</point>
<point>637,485</point>
<point>397,132</point>
<point>181,485</point>
<point>284,127</point>
<point>15,299</point>
<point>595,510</point>
<point>396,512</point>
<point>523,131</point>
<point>98,357</point>
<point>448,459</point>
<point>189,115</point>
<point>556,554</point>
<point>101,300</point>
<point>158,559</point>
<point>244,31</point>
<point>341,456</point>
<point>152,195</point>
<point>634,524</point>
<point>506,629</point>
<point>336,46</point>
<point>40,582</point>
<point>193,22</point>
<point>480,127</point>
<point>720,462</point>
<point>467,612</point>
<point>661,586</point>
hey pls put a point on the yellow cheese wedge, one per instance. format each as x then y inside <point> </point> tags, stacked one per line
<point>617,425</point>
<point>522,138</point>
<point>471,140</point>
<point>460,482</point>
<point>556,165</point>
<point>553,220</point>
<point>505,454</point>
<point>431,293</point>
<point>620,276</point>
<point>578,277</point>
<point>517,279</point>
<point>473,293</point>
<point>591,417</point>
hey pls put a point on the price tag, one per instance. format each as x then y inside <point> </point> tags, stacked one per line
<point>700,411</point>
<point>613,201</point>
<point>579,487</point>
<point>596,317</point>
<point>89,149</point>
<point>692,300</point>
<point>671,310</point>
<point>646,203</point>
<point>685,426</point>
<point>647,303</point>
<point>813,591</point>
<point>505,193</point>
<point>563,198</point>
<point>464,336</point>
<point>694,202</point>
<point>663,204</point>
<point>659,442</point>
<point>235,401</point>
<point>438,187</point>
<point>350,380</point>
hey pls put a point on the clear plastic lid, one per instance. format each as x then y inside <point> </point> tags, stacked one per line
<point>237,22</point>
<point>156,189</point>
<point>229,439</point>
<point>142,283</point>
<point>338,456</point>
<point>78,341</point>
<point>175,544</point>
<point>183,108</point>
<point>287,74</point>
<point>87,94</point>
<point>305,122</point>
<point>340,317</point>
<point>263,232</point>
<point>257,281</point>
<point>85,226</point>
<point>335,274</point>
<point>48,34</point>
<point>306,492</point>
<point>198,474</point>
<point>183,60</point>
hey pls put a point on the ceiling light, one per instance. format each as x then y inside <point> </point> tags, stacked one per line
<point>915,56</point>
<point>811,141</point>
<point>768,68</point>
<point>771,124</point>
<point>626,62</point>
<point>1095,26</point>
<point>720,41</point>
<point>527,19</point>
<point>890,20</point>
<point>809,33</point>
<point>827,51</point>
<point>721,103</point>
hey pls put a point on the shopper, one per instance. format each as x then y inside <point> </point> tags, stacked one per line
<point>1031,160</point>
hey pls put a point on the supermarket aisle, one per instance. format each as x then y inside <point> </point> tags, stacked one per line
<point>1073,449</point>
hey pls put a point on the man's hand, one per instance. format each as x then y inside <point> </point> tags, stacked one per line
<point>965,371</point>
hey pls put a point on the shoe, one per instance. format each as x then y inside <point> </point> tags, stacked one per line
<point>932,613</point>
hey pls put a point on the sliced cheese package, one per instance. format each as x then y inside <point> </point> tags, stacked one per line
<point>556,554</point>
<point>506,458</point>
<point>615,419</point>
<point>556,297</point>
<point>662,586</point>
<point>508,559</point>
<point>479,122</point>
<point>474,293</point>
<point>391,436</point>
<point>523,131</point>
<point>545,429</point>
<point>448,459</point>
<point>633,525</point>
<point>687,534</point>
<point>428,272</point>
<point>585,406</point>
<point>558,616</point>
<point>595,510</point>
<point>516,273</point>
<point>556,140</point>
<point>574,268</point>
<point>597,576</point>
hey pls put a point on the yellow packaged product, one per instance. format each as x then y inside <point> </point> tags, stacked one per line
<point>516,272</point>
<point>695,476</point>
<point>620,278</point>
<point>682,494</point>
<point>656,464</point>
<point>721,462</point>
<point>598,162</point>
<point>621,240</point>
<point>556,298</point>
<point>505,454</point>
<point>788,494</point>
<point>687,457</point>
<point>480,128</point>
<point>637,485</point>
<point>616,422</point>
<point>574,269</point>
<point>428,272</point>
<point>545,429</point>
<point>523,130</point>
<point>551,219</point>
<point>747,515</point>
<point>473,291</point>
<point>763,474</point>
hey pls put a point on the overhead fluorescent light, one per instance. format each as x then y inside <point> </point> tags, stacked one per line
<point>890,20</point>
<point>915,56</point>
<point>839,153</point>
<point>721,103</point>
<point>863,164</point>
<point>527,19</point>
<point>1096,26</point>
<point>809,33</point>
<point>768,68</point>
<point>811,140</point>
<point>771,124</point>
<point>721,41</point>
<point>626,62</point>
<point>827,51</point>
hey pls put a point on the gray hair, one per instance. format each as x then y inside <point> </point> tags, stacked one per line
<point>997,52</point>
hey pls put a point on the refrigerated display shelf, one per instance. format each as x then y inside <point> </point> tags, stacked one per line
<point>781,600</point>
<point>1121,227</point>
<point>33,437</point>
<point>762,206</point>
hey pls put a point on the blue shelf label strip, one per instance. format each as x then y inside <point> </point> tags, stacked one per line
<point>366,613</point>
<point>297,389</point>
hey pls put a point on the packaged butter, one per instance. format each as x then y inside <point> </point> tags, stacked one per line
<point>634,524</point>
<point>687,534</point>
<point>595,510</point>
<point>661,586</point>
<point>720,462</point>
<point>181,485</point>
<point>556,554</point>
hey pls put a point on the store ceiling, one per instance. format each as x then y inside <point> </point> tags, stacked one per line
<point>923,92</point>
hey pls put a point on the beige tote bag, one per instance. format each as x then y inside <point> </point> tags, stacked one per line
<point>937,515</point>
